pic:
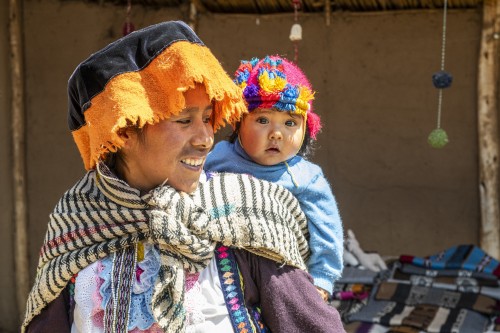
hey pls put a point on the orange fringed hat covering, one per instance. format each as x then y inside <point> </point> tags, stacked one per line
<point>153,93</point>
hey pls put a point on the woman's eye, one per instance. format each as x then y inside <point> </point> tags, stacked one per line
<point>290,123</point>
<point>183,121</point>
<point>262,120</point>
<point>206,120</point>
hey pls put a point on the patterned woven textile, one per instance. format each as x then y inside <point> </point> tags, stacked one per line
<point>463,257</point>
<point>456,290</point>
<point>360,327</point>
<point>101,215</point>
<point>427,318</point>
<point>356,275</point>
<point>351,291</point>
<point>458,282</point>
<point>414,295</point>
<point>486,278</point>
<point>348,305</point>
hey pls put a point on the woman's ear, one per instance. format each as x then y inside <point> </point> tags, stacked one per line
<point>128,135</point>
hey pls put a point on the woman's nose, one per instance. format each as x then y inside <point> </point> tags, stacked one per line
<point>203,136</point>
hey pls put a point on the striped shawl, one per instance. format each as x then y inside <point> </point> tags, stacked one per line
<point>101,215</point>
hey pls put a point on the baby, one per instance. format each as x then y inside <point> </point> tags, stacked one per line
<point>271,142</point>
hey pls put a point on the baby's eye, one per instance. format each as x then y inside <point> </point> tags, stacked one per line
<point>290,123</point>
<point>262,120</point>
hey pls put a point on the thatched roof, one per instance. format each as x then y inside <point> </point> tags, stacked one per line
<point>308,6</point>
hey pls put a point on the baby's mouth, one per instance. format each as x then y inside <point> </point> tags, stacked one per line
<point>273,150</point>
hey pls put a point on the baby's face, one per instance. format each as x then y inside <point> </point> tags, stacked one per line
<point>270,137</point>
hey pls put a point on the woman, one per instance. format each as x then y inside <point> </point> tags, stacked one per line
<point>147,242</point>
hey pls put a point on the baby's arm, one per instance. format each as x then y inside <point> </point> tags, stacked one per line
<point>326,233</point>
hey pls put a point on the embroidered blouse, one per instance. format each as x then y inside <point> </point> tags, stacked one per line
<point>204,301</point>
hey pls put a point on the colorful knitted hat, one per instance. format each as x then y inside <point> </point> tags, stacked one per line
<point>140,79</point>
<point>276,83</point>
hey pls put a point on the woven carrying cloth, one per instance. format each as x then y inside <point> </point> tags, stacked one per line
<point>101,215</point>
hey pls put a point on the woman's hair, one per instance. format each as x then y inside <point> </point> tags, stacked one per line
<point>306,150</point>
<point>117,161</point>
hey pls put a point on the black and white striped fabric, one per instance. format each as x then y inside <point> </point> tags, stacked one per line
<point>102,215</point>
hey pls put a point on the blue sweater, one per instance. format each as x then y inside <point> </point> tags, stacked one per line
<point>316,200</point>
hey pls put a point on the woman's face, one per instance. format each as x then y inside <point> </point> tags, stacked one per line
<point>270,137</point>
<point>173,150</point>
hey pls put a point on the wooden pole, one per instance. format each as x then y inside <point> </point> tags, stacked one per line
<point>488,128</point>
<point>328,10</point>
<point>18,165</point>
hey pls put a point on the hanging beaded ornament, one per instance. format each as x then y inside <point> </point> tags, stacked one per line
<point>441,80</point>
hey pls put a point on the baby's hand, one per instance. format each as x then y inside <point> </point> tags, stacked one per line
<point>323,293</point>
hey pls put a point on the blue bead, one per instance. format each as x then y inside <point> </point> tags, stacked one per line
<point>442,79</point>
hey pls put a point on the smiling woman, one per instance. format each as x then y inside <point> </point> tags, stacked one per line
<point>151,243</point>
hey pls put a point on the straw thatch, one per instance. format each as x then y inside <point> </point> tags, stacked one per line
<point>308,6</point>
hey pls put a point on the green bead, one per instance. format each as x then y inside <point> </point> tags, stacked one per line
<point>438,138</point>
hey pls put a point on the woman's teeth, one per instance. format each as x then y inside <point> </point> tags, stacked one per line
<point>193,162</point>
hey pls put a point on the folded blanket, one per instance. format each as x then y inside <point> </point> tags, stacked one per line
<point>463,257</point>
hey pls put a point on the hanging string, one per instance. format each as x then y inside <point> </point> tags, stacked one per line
<point>296,4</point>
<point>443,54</point>
<point>443,42</point>
<point>128,26</point>
<point>441,80</point>
<point>296,32</point>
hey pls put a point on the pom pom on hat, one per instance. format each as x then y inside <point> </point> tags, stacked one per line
<point>276,83</point>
